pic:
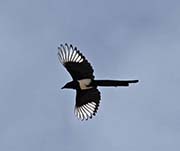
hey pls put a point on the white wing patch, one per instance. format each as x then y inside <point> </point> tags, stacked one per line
<point>69,54</point>
<point>85,111</point>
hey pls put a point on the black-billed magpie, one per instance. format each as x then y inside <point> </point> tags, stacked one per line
<point>87,96</point>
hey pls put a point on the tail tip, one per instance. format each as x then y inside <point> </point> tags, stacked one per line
<point>136,81</point>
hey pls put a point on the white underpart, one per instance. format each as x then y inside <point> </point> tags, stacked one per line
<point>78,59</point>
<point>92,104</point>
<point>63,52</point>
<point>76,56</point>
<point>61,55</point>
<point>81,60</point>
<point>80,113</point>
<point>73,54</point>
<point>91,108</point>
<point>85,111</point>
<point>84,84</point>
<point>69,54</point>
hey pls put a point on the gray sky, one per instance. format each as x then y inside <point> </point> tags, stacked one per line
<point>124,39</point>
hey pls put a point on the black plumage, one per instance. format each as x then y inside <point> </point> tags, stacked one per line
<point>87,95</point>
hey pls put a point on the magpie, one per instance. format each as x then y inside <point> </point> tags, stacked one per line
<point>87,95</point>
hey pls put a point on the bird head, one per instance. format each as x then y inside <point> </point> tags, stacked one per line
<point>71,85</point>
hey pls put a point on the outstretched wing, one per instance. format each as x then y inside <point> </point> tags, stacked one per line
<point>75,62</point>
<point>87,103</point>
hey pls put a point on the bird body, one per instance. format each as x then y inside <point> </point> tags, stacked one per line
<point>85,84</point>
<point>82,84</point>
<point>87,95</point>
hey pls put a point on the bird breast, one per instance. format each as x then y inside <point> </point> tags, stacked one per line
<point>84,84</point>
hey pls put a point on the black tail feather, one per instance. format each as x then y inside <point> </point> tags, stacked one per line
<point>113,82</point>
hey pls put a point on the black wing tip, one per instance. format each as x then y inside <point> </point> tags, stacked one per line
<point>61,45</point>
<point>69,45</point>
<point>91,116</point>
<point>66,44</point>
<point>73,47</point>
<point>94,113</point>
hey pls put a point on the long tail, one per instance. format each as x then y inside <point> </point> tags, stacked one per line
<point>113,82</point>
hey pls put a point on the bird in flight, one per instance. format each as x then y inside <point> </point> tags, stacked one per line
<point>87,95</point>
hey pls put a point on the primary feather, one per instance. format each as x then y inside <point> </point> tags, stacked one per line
<point>76,64</point>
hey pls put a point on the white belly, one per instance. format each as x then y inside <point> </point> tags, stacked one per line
<point>84,84</point>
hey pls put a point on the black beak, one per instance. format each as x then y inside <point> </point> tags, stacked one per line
<point>62,87</point>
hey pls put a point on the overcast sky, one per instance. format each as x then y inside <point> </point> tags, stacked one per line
<point>123,39</point>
